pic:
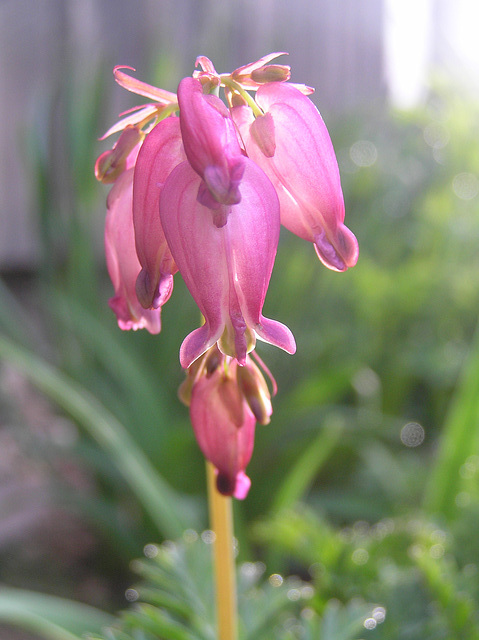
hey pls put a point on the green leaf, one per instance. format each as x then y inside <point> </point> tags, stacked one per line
<point>459,440</point>
<point>343,622</point>
<point>49,616</point>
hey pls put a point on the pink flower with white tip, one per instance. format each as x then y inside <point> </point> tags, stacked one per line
<point>201,186</point>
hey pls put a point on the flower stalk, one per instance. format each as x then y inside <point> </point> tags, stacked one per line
<point>221,523</point>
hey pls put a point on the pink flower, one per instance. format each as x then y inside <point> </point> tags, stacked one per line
<point>291,144</point>
<point>205,193</point>
<point>225,257</point>
<point>211,144</point>
<point>122,261</point>
<point>161,152</point>
<point>224,425</point>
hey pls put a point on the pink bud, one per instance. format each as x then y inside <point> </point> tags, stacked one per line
<point>224,427</point>
<point>211,144</point>
<point>255,74</point>
<point>271,73</point>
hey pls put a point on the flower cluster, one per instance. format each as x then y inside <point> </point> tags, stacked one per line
<point>201,186</point>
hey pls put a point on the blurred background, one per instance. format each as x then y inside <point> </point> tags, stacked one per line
<point>369,467</point>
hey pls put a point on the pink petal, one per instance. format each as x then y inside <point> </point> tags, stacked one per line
<point>225,257</point>
<point>122,261</point>
<point>161,152</point>
<point>142,114</point>
<point>242,486</point>
<point>206,64</point>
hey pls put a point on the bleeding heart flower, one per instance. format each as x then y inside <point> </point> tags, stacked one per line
<point>291,144</point>
<point>204,193</point>
<point>226,257</point>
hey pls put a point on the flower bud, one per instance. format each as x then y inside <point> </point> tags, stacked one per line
<point>255,74</point>
<point>271,73</point>
<point>255,391</point>
<point>121,157</point>
<point>224,428</point>
<point>211,144</point>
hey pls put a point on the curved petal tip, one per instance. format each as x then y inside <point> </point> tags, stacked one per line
<point>276,333</point>
<point>340,255</point>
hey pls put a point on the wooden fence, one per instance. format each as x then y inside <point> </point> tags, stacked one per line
<point>46,45</point>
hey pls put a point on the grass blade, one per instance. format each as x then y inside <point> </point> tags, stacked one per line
<point>49,616</point>
<point>460,439</point>
<point>302,474</point>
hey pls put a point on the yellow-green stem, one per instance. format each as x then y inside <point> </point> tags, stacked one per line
<point>226,81</point>
<point>221,522</point>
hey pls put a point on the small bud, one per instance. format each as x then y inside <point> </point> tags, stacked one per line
<point>255,390</point>
<point>224,427</point>
<point>113,162</point>
<point>213,359</point>
<point>271,73</point>
<point>235,99</point>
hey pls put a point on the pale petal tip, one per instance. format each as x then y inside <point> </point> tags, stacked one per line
<point>242,487</point>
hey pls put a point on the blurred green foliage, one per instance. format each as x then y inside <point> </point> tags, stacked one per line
<point>365,482</point>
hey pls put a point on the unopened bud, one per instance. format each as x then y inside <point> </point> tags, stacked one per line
<point>271,73</point>
<point>112,163</point>
<point>255,391</point>
<point>236,99</point>
<point>193,372</point>
<point>214,358</point>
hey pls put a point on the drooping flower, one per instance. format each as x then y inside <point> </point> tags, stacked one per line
<point>161,152</point>
<point>225,256</point>
<point>291,144</point>
<point>204,193</point>
<point>122,261</point>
